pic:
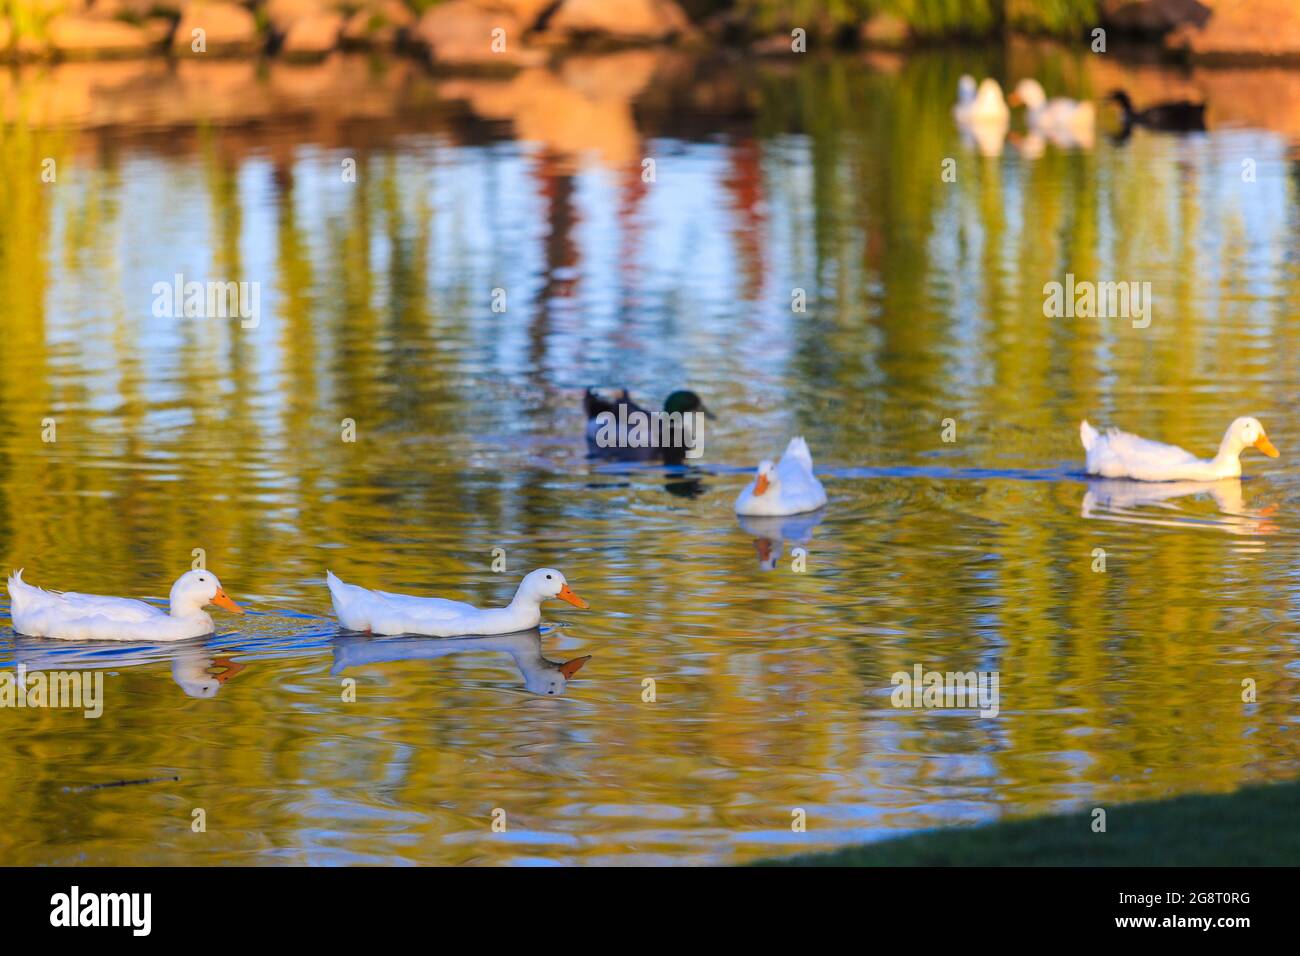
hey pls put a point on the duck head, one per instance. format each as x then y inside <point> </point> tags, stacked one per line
<point>1120,98</point>
<point>684,400</point>
<point>544,584</point>
<point>195,590</point>
<point>766,481</point>
<point>1246,433</point>
<point>1028,93</point>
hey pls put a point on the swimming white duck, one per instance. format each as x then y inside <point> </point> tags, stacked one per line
<point>1060,119</point>
<point>982,104</point>
<point>75,617</point>
<point>786,488</point>
<point>982,114</point>
<point>360,609</point>
<point>1118,454</point>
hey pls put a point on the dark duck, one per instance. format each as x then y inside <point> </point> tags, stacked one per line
<point>1175,116</point>
<point>668,442</point>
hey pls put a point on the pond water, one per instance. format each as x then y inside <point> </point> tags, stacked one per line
<point>771,668</point>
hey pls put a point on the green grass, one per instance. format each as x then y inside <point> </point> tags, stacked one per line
<point>1256,826</point>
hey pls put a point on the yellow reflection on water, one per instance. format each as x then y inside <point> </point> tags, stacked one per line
<point>771,687</point>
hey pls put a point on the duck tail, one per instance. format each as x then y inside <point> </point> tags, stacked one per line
<point>22,594</point>
<point>798,450</point>
<point>338,590</point>
<point>593,404</point>
<point>15,585</point>
<point>1088,435</point>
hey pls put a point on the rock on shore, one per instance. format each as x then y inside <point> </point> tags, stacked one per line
<point>621,20</point>
<point>1242,28</point>
<point>227,29</point>
<point>81,36</point>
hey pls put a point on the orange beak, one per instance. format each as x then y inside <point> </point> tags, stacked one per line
<point>566,594</point>
<point>569,668</point>
<point>1266,446</point>
<point>221,599</point>
<point>760,484</point>
<point>1014,100</point>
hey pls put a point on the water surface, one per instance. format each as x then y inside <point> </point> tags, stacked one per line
<point>772,686</point>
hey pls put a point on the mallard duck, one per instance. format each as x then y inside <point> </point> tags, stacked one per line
<point>1175,116</point>
<point>668,444</point>
<point>75,617</point>
<point>380,612</point>
<point>786,488</point>
<point>1117,454</point>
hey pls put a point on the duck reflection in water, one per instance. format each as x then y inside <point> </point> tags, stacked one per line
<point>195,669</point>
<point>1118,499</point>
<point>770,533</point>
<point>541,676</point>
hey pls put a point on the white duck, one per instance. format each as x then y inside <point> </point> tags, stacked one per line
<point>1060,119</point>
<point>786,488</point>
<point>74,617</point>
<point>982,104</point>
<point>380,612</point>
<point>1118,454</point>
<point>982,114</point>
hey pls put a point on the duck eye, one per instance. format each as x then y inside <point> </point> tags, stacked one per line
<point>548,577</point>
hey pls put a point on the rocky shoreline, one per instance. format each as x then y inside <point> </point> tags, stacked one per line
<point>513,34</point>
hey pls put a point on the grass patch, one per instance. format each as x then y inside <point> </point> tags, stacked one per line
<point>1256,826</point>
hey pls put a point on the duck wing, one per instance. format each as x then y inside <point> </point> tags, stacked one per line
<point>1177,115</point>
<point>1134,449</point>
<point>71,606</point>
<point>120,610</point>
<point>436,609</point>
<point>593,404</point>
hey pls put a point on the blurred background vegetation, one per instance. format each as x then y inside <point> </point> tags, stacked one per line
<point>932,19</point>
<point>927,18</point>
